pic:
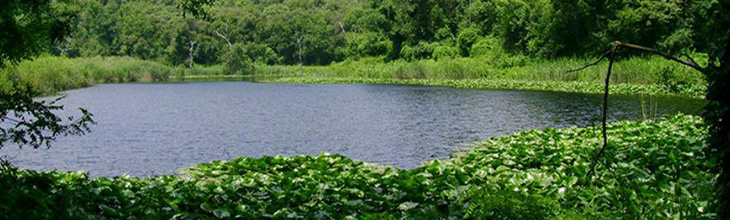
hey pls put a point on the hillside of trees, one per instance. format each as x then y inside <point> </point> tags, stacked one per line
<point>320,32</point>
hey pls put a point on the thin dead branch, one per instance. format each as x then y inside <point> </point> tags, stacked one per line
<point>611,57</point>
<point>666,56</point>
<point>591,64</point>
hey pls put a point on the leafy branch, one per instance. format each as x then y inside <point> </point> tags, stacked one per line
<point>24,121</point>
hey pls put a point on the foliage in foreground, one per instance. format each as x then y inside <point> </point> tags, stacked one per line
<point>653,169</point>
<point>24,121</point>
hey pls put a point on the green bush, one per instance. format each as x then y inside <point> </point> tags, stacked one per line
<point>443,52</point>
<point>507,204</point>
<point>487,47</point>
<point>237,61</point>
<point>260,53</point>
<point>444,35</point>
<point>369,44</point>
<point>420,51</point>
<point>467,38</point>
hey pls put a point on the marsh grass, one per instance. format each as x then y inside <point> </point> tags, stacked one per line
<point>637,75</point>
<point>48,74</point>
<point>635,70</point>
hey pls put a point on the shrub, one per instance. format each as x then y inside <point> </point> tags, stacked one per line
<point>237,61</point>
<point>486,47</point>
<point>369,44</point>
<point>445,52</point>
<point>467,38</point>
<point>483,203</point>
<point>422,50</point>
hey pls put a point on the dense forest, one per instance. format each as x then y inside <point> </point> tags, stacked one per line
<point>319,32</point>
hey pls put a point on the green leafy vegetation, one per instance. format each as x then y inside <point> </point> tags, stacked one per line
<point>337,30</point>
<point>653,169</point>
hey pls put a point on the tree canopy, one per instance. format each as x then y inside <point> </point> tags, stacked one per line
<point>333,30</point>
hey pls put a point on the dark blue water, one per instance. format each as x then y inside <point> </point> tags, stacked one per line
<point>153,129</point>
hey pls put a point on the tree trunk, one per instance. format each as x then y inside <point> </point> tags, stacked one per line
<point>299,43</point>
<point>226,38</point>
<point>344,32</point>
<point>64,47</point>
<point>191,52</point>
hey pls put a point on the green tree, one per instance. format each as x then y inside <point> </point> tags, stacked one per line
<point>26,26</point>
<point>29,27</point>
<point>237,60</point>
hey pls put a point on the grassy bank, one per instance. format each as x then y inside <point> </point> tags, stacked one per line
<point>637,75</point>
<point>48,75</point>
<point>537,174</point>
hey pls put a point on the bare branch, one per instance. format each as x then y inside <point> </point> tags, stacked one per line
<point>611,56</point>
<point>689,58</point>
<point>191,53</point>
<point>591,64</point>
<point>299,39</point>
<point>666,56</point>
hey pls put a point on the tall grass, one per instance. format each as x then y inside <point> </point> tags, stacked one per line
<point>635,75</point>
<point>635,70</point>
<point>651,75</point>
<point>48,74</point>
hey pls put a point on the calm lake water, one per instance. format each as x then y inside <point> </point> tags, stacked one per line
<point>154,129</point>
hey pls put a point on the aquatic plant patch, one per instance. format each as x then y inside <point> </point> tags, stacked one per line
<point>688,90</point>
<point>652,169</point>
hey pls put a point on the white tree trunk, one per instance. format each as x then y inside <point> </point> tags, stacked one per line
<point>226,38</point>
<point>64,47</point>
<point>344,32</point>
<point>191,53</point>
<point>299,43</point>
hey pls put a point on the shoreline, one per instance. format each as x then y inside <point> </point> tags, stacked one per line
<point>633,76</point>
<point>507,85</point>
<point>475,84</point>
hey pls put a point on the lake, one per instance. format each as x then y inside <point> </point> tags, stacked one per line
<point>155,129</point>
